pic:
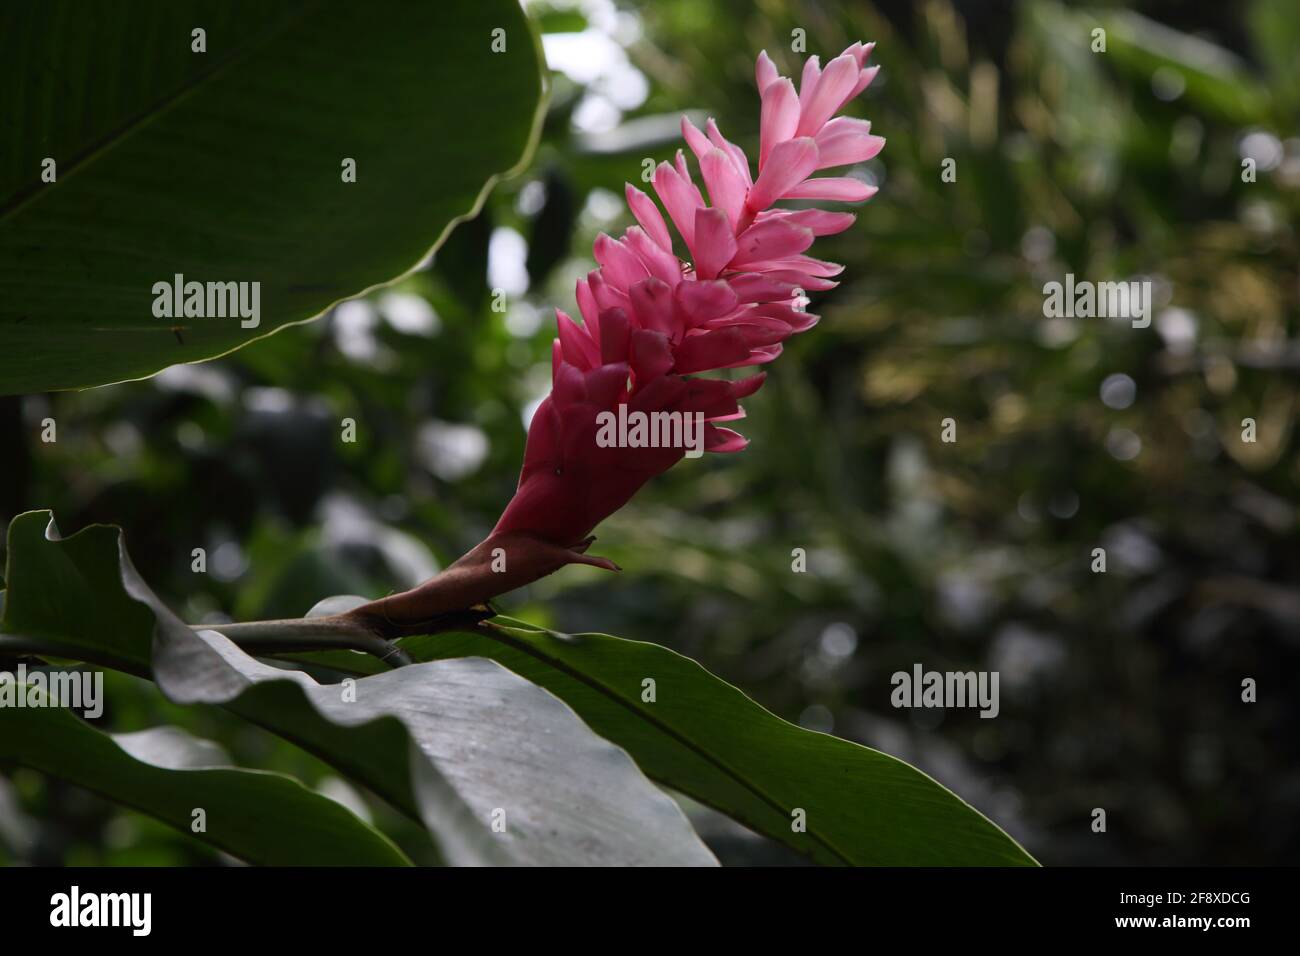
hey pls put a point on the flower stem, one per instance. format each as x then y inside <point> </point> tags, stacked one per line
<point>457,598</point>
<point>309,634</point>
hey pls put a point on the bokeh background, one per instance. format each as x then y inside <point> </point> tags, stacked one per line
<point>1119,690</point>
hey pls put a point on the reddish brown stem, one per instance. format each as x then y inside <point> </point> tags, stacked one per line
<point>458,595</point>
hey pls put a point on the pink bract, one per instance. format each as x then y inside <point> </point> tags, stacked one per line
<point>650,321</point>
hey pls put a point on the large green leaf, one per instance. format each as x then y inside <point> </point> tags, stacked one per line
<point>226,166</point>
<point>462,745</point>
<point>705,738</point>
<point>43,586</point>
<point>256,815</point>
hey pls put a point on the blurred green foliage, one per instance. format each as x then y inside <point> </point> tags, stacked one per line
<point>1119,690</point>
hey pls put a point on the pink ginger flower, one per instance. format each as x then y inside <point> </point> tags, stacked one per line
<point>651,322</point>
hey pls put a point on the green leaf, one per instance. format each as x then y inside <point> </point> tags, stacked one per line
<point>705,738</point>
<point>461,745</point>
<point>1216,80</point>
<point>258,816</point>
<point>226,165</point>
<point>58,596</point>
<point>1275,34</point>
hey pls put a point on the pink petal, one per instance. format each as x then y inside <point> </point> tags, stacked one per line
<point>684,171</point>
<point>662,265</point>
<point>576,345</point>
<point>837,188</point>
<point>747,317</point>
<point>736,154</point>
<point>802,280</point>
<point>812,71</point>
<point>697,141</point>
<point>615,332</point>
<point>753,287</point>
<point>723,440</point>
<point>762,355</point>
<point>606,296</point>
<point>722,413</point>
<point>680,198</point>
<point>833,89</point>
<point>702,300</point>
<point>845,140</point>
<point>864,80</point>
<point>543,433</point>
<point>780,118</point>
<point>745,387</point>
<point>797,319</point>
<point>568,385</point>
<point>706,351</point>
<point>652,301</point>
<point>588,307</point>
<point>791,163</point>
<point>861,52</point>
<point>619,265</point>
<point>765,333</point>
<point>773,239</point>
<point>717,398</point>
<point>821,222</point>
<point>798,263</point>
<point>765,71</point>
<point>606,384</point>
<point>810,320</point>
<point>715,243</point>
<point>726,187</point>
<point>651,354</point>
<point>658,393</point>
<point>846,150</point>
<point>648,216</point>
<point>711,396</point>
<point>578,423</point>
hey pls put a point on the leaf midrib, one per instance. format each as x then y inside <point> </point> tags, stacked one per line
<point>500,633</point>
<point>32,193</point>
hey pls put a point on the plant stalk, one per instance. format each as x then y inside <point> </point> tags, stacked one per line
<point>457,598</point>
<point>297,635</point>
